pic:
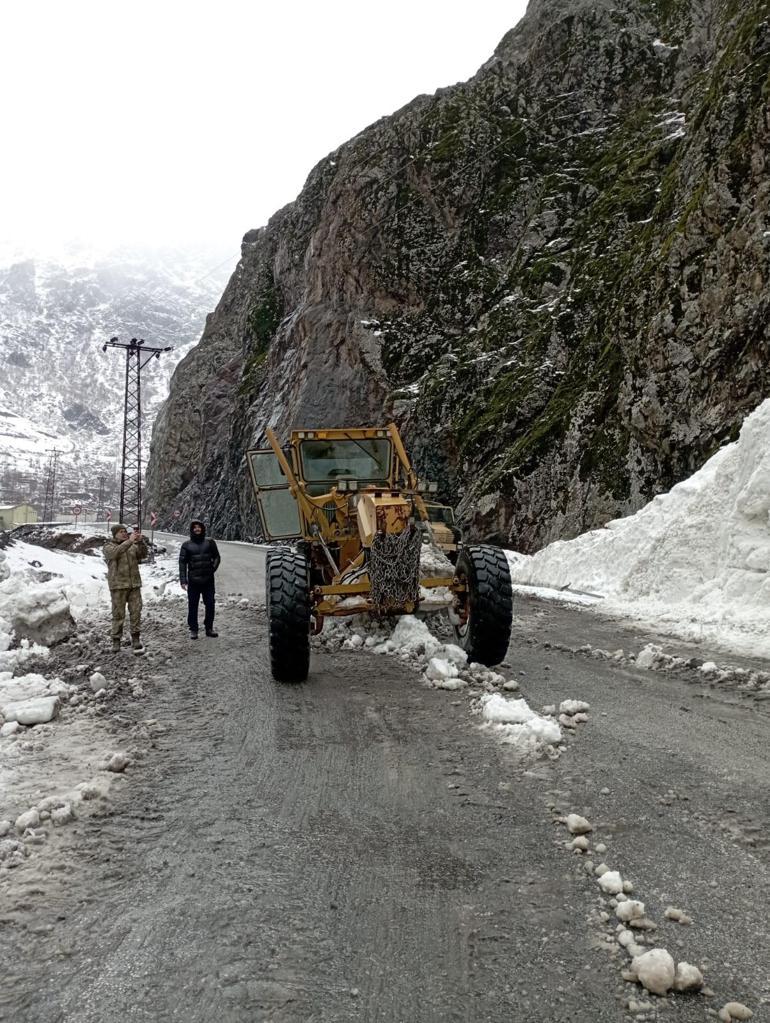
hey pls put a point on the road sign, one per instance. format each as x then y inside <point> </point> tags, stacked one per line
<point>76,509</point>
<point>153,519</point>
<point>108,516</point>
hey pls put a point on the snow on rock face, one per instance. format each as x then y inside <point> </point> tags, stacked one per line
<point>695,561</point>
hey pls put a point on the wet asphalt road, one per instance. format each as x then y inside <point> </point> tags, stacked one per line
<point>356,849</point>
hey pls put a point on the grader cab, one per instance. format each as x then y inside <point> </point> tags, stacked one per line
<point>354,523</point>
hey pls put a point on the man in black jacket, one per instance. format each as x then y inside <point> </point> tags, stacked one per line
<point>198,561</point>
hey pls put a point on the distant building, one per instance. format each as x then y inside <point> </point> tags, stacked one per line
<point>16,515</point>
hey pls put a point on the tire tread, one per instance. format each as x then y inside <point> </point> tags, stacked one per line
<point>490,598</point>
<point>288,614</point>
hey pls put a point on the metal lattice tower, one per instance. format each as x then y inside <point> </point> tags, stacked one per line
<point>49,500</point>
<point>138,354</point>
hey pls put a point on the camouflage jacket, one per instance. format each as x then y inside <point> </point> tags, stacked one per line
<point>123,563</point>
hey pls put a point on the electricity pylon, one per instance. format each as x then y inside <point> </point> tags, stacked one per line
<point>131,469</point>
<point>50,487</point>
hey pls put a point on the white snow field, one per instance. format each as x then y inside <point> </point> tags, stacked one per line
<point>47,764</point>
<point>694,563</point>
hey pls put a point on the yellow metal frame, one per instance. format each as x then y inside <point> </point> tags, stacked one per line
<point>402,482</point>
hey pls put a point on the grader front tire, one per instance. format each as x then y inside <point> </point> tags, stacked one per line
<point>288,614</point>
<point>485,632</point>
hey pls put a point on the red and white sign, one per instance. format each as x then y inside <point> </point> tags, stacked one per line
<point>76,509</point>
<point>108,516</point>
<point>153,519</point>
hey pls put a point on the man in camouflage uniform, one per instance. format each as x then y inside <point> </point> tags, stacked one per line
<point>123,554</point>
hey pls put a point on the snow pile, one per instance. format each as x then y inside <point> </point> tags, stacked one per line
<point>29,699</point>
<point>694,562</point>
<point>41,591</point>
<point>80,579</point>
<point>433,562</point>
<point>517,724</point>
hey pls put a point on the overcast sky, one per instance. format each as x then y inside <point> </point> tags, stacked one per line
<point>171,121</point>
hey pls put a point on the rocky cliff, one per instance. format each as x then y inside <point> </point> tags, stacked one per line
<point>554,276</point>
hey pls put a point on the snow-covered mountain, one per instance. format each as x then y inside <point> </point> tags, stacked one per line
<point>58,387</point>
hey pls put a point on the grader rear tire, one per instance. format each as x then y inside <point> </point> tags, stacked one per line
<point>488,610</point>
<point>288,614</point>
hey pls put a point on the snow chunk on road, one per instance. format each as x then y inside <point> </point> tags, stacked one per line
<point>688,978</point>
<point>413,637</point>
<point>629,909</point>
<point>611,882</point>
<point>510,712</point>
<point>23,687</point>
<point>97,681</point>
<point>577,825</point>
<point>516,722</point>
<point>572,707</point>
<point>439,670</point>
<point>28,819</point>
<point>735,1010</point>
<point>655,970</point>
<point>39,612</point>
<point>647,657</point>
<point>32,712</point>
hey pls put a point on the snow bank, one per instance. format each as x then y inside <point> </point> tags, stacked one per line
<point>695,562</point>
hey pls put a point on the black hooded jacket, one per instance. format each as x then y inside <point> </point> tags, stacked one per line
<point>198,558</point>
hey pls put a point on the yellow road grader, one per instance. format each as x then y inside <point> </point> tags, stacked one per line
<point>352,519</point>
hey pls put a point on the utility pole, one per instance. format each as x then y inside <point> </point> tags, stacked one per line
<point>49,500</point>
<point>138,354</point>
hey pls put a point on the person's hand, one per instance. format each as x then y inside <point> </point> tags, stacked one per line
<point>136,536</point>
<point>183,585</point>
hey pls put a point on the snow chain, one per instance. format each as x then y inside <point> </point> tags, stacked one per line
<point>394,569</point>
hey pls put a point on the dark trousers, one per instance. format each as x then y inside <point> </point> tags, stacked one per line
<point>194,593</point>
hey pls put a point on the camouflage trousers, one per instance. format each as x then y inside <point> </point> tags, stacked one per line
<point>120,598</point>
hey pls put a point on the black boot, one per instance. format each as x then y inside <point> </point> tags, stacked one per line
<point>211,634</point>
